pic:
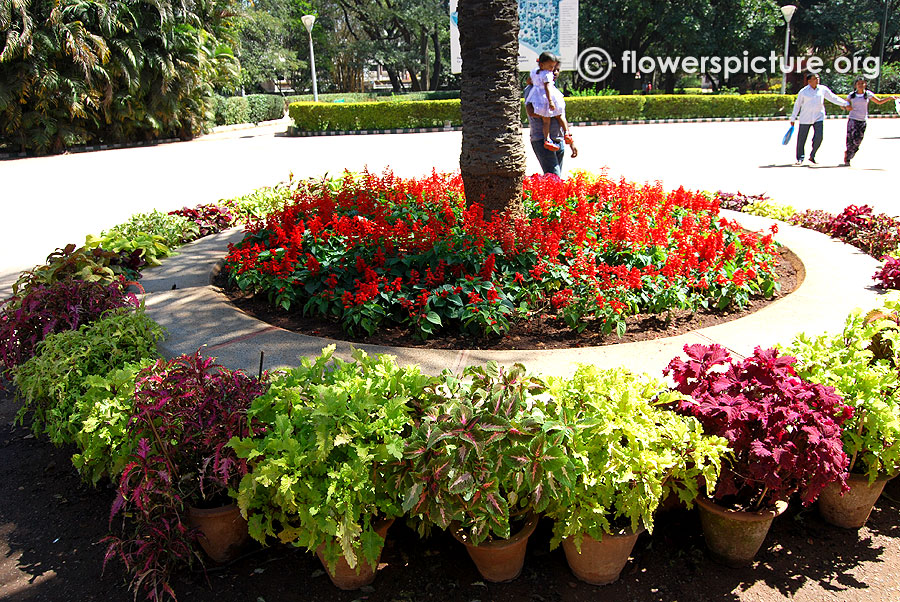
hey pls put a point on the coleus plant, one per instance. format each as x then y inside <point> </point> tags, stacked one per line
<point>44,309</point>
<point>209,218</point>
<point>186,410</point>
<point>888,276</point>
<point>784,433</point>
<point>629,454</point>
<point>51,383</point>
<point>484,452</point>
<point>328,437</point>
<point>860,364</point>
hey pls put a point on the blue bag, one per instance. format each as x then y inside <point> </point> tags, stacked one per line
<point>787,136</point>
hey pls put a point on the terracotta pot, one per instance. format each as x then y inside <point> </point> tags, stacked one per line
<point>852,509</point>
<point>600,562</point>
<point>347,578</point>
<point>734,537</point>
<point>223,531</point>
<point>500,560</point>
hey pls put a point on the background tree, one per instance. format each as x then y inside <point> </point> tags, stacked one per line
<point>492,160</point>
<point>76,71</point>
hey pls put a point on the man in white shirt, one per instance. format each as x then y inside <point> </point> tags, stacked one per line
<point>810,109</point>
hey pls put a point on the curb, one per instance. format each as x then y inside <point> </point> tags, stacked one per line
<point>294,132</point>
<point>92,148</point>
<point>219,129</point>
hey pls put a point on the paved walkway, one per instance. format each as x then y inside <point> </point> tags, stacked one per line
<point>50,201</point>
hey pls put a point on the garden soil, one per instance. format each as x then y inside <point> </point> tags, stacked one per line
<point>542,331</point>
<point>51,527</point>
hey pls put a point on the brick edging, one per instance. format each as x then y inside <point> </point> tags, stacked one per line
<point>293,131</point>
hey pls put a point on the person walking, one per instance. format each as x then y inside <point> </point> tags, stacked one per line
<point>547,100</point>
<point>809,108</point>
<point>550,160</point>
<point>859,114</point>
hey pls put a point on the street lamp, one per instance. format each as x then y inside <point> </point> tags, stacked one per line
<point>788,12</point>
<point>883,38</point>
<point>308,21</point>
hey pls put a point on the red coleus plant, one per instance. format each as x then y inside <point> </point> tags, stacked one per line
<point>368,250</point>
<point>785,433</point>
<point>185,412</point>
<point>889,274</point>
<point>210,218</point>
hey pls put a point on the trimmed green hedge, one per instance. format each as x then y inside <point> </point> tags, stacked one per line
<point>319,117</point>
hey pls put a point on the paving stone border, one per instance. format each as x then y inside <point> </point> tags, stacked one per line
<point>179,296</point>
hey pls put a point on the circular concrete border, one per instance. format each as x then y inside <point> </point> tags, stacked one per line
<point>180,297</point>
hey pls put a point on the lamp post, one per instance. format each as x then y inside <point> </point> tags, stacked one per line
<point>788,12</point>
<point>308,21</point>
<point>883,39</point>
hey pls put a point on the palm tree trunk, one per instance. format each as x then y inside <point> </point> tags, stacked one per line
<point>492,160</point>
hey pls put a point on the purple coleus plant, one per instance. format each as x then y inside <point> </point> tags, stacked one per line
<point>46,309</point>
<point>785,433</point>
<point>186,410</point>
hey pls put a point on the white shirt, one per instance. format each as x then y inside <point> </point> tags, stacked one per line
<point>810,104</point>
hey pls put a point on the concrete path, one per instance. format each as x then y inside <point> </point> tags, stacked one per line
<point>47,202</point>
<point>180,298</point>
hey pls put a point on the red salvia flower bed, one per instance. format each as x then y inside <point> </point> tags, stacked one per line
<point>368,249</point>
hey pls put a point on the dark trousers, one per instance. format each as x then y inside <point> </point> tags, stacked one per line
<point>855,132</point>
<point>803,132</point>
<point>551,161</point>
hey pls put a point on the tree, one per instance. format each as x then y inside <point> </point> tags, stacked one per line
<point>74,71</point>
<point>492,160</point>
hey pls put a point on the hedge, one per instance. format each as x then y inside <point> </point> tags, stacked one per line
<point>319,117</point>
<point>232,110</point>
<point>265,107</point>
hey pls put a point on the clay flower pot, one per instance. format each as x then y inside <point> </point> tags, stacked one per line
<point>852,509</point>
<point>734,537</point>
<point>500,560</point>
<point>600,562</point>
<point>223,531</point>
<point>347,578</point>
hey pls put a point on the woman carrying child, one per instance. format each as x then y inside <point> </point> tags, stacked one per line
<point>547,100</point>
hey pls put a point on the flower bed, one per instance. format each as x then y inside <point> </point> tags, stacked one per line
<point>370,251</point>
<point>92,382</point>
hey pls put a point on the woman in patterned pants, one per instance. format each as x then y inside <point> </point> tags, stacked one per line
<point>859,113</point>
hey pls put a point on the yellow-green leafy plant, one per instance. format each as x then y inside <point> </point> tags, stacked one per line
<point>868,384</point>
<point>629,454</point>
<point>52,383</point>
<point>325,441</point>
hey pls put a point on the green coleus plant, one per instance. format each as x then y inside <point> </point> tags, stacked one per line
<point>868,384</point>
<point>629,454</point>
<point>484,452</point>
<point>53,382</point>
<point>105,442</point>
<point>151,248</point>
<point>172,228</point>
<point>328,437</point>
